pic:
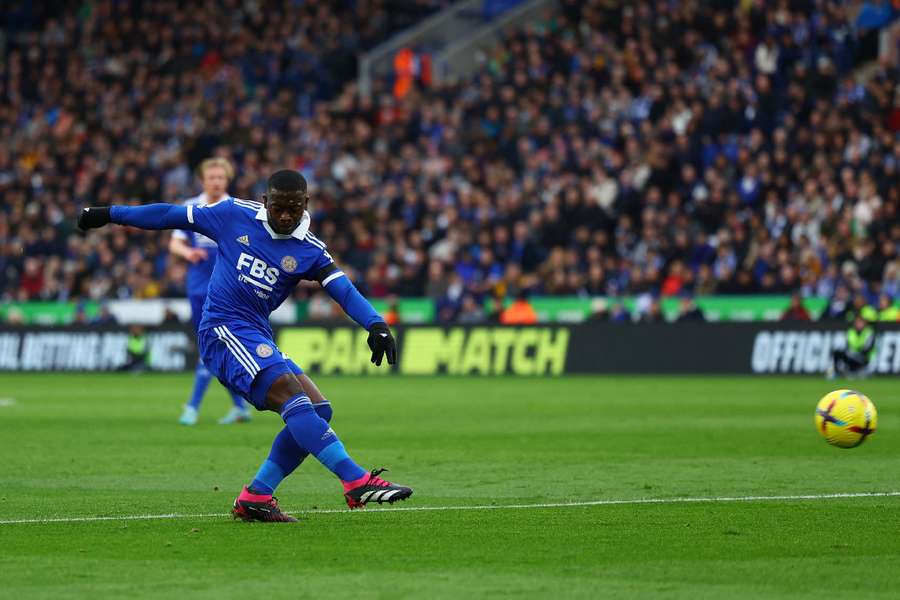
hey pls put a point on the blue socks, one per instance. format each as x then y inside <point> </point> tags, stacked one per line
<point>237,400</point>
<point>312,433</point>
<point>202,377</point>
<point>285,456</point>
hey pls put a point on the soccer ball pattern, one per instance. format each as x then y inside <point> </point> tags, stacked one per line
<point>845,418</point>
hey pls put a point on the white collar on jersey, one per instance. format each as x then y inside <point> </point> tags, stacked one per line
<point>298,233</point>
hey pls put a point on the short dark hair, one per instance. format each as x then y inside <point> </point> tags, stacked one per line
<point>287,180</point>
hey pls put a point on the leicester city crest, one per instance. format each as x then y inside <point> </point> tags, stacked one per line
<point>264,350</point>
<point>289,263</point>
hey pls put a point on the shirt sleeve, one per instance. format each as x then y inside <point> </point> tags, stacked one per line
<point>325,270</point>
<point>208,220</point>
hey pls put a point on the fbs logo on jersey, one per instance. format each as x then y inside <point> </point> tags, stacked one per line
<point>244,239</point>
<point>259,274</point>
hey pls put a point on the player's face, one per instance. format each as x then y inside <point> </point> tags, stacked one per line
<point>215,182</point>
<point>285,210</point>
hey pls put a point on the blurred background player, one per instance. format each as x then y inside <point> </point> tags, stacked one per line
<point>860,350</point>
<point>200,253</point>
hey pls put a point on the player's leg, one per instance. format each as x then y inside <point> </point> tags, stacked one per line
<point>856,363</point>
<point>286,396</point>
<point>838,358</point>
<point>285,455</point>
<point>846,363</point>
<point>229,357</point>
<point>249,363</point>
<point>238,413</point>
<point>202,376</point>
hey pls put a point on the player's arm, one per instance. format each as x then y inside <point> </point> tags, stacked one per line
<point>342,291</point>
<point>178,246</point>
<point>203,220</point>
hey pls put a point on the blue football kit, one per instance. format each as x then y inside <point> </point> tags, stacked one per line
<point>255,271</point>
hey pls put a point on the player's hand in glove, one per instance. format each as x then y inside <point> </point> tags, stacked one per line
<point>93,217</point>
<point>381,342</point>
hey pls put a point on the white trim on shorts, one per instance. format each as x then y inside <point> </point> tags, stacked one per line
<point>242,355</point>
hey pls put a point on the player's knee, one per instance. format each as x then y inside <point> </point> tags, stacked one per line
<point>310,388</point>
<point>282,389</point>
<point>320,403</point>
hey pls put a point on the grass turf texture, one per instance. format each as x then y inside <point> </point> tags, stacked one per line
<point>80,445</point>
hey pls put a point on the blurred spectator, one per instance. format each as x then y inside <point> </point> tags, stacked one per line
<point>520,312</point>
<point>105,317</point>
<point>839,306</point>
<point>796,311</point>
<point>392,314</point>
<point>887,310</point>
<point>599,310</point>
<point>619,314</point>
<point>611,149</point>
<point>863,309</point>
<point>14,316</point>
<point>471,312</point>
<point>653,313</point>
<point>688,311</point>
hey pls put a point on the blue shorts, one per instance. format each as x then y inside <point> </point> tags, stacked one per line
<point>239,355</point>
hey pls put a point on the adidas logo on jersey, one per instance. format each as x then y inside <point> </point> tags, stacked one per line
<point>244,239</point>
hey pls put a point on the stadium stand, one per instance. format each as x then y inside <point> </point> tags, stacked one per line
<point>663,149</point>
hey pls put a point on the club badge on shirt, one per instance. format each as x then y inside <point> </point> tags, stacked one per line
<point>264,350</point>
<point>289,263</point>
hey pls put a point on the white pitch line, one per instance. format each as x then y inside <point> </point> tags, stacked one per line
<point>688,500</point>
<point>120,518</point>
<point>7,402</point>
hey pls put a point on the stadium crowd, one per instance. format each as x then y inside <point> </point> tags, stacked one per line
<point>650,148</point>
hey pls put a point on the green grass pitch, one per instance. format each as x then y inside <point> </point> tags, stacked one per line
<point>76,446</point>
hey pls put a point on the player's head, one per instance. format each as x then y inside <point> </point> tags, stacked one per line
<point>286,198</point>
<point>215,173</point>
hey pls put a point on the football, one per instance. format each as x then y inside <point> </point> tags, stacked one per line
<point>845,418</point>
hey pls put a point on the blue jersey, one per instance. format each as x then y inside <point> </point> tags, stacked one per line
<point>199,273</point>
<point>256,268</point>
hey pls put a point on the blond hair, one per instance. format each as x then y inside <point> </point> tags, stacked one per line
<point>217,162</point>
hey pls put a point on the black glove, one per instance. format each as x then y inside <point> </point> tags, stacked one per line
<point>381,342</point>
<point>93,217</point>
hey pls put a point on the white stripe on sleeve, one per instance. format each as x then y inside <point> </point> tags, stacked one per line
<point>190,213</point>
<point>331,278</point>
<point>314,241</point>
